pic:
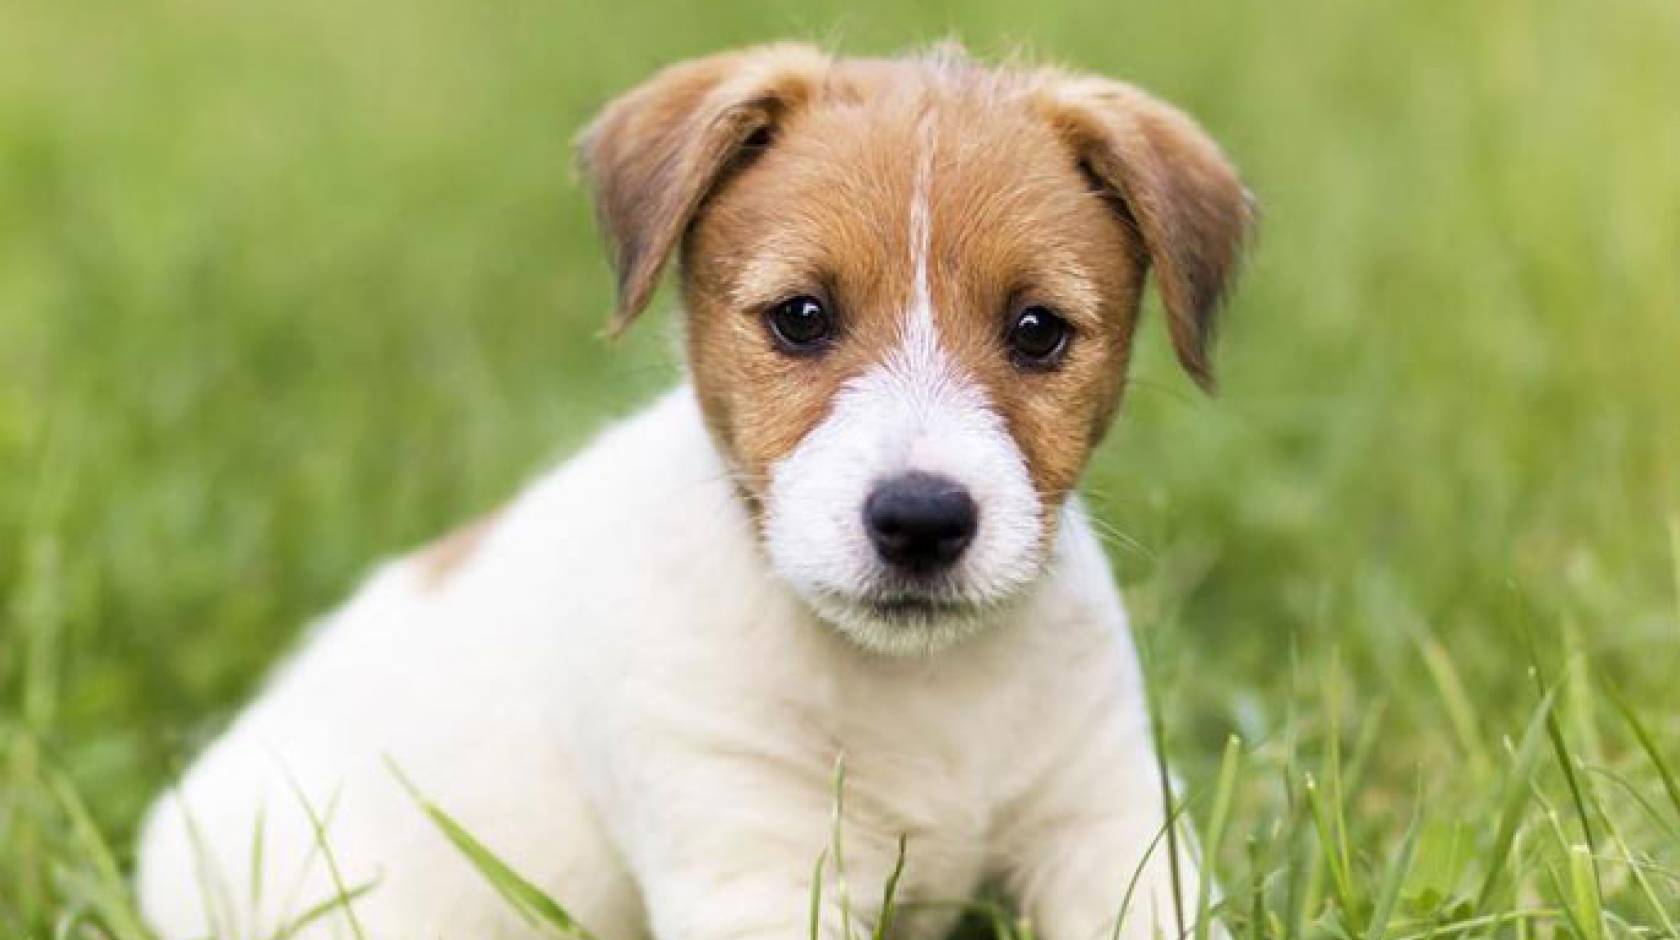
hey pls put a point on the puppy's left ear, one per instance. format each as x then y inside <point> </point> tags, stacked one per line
<point>654,154</point>
<point>1184,196</point>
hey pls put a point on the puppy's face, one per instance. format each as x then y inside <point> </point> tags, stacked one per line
<point>911,289</point>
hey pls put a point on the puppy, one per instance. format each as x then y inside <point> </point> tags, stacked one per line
<point>910,290</point>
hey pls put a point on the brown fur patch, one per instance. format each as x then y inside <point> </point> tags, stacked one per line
<point>443,557</point>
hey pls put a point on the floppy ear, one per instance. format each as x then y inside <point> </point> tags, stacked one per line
<point>1183,195</point>
<point>654,154</point>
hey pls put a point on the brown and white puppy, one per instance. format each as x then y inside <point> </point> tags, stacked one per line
<point>911,287</point>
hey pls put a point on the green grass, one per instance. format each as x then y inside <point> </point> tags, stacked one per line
<point>287,287</point>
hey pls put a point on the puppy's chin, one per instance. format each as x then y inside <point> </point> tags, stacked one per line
<point>907,624</point>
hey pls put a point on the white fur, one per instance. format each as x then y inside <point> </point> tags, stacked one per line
<point>618,696</point>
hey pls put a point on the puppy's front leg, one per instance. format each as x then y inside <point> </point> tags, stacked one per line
<point>1093,829</point>
<point>730,897</point>
<point>731,853</point>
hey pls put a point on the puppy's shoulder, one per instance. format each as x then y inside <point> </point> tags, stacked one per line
<point>630,474</point>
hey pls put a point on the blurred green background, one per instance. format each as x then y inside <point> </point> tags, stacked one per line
<point>289,287</point>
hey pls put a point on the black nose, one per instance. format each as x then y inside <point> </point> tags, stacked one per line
<point>919,522</point>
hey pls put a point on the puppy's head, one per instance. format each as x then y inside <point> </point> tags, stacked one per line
<point>911,287</point>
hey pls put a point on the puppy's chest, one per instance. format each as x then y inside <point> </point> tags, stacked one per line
<point>929,749</point>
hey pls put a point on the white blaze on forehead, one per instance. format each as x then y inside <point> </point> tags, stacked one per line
<point>919,361</point>
<point>921,226</point>
<point>915,411</point>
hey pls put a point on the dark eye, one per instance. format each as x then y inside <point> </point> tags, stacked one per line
<point>801,324</point>
<point>1038,338</point>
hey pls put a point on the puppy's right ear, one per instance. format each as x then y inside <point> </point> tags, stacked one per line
<point>656,152</point>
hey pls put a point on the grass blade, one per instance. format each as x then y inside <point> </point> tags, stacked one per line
<point>1632,791</point>
<point>527,899</point>
<point>1460,712</point>
<point>1227,786</point>
<point>883,923</point>
<point>1137,872</point>
<point>1648,745</point>
<point>1583,880</point>
<point>1384,910</point>
<point>1637,871</point>
<point>320,830</point>
<point>1566,762</point>
<point>816,895</point>
<point>1341,883</point>
<point>1335,834</point>
<point>1566,909</point>
<point>1515,799</point>
<point>1257,891</point>
<point>838,845</point>
<point>111,898</point>
<point>1158,731</point>
<point>291,927</point>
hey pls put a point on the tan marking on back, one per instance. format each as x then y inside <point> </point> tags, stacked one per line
<point>443,557</point>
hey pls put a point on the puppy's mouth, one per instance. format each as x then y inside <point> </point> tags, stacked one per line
<point>908,618</point>
<point>913,609</point>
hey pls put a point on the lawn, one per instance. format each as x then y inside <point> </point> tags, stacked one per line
<point>289,287</point>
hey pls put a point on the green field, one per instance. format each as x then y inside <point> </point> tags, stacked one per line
<point>289,287</point>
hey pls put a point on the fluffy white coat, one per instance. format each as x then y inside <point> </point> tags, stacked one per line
<point>617,695</point>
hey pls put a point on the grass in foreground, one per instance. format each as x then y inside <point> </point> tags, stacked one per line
<point>1547,857</point>
<point>288,287</point>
